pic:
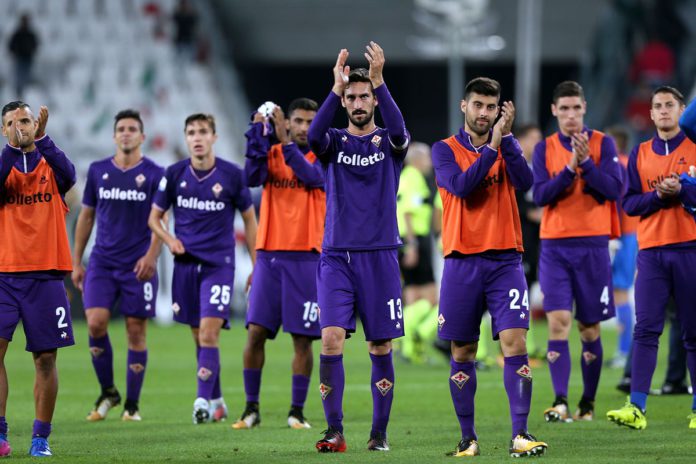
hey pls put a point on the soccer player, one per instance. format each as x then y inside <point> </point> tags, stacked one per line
<point>123,263</point>
<point>203,192</point>
<point>414,209</point>
<point>291,226</point>
<point>477,171</point>
<point>667,247</point>
<point>358,270</point>
<point>35,257</point>
<point>577,179</point>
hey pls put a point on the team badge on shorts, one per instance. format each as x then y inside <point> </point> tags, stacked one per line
<point>376,140</point>
<point>96,351</point>
<point>588,357</point>
<point>384,386</point>
<point>176,308</point>
<point>136,368</point>
<point>440,321</point>
<point>140,180</point>
<point>552,356</point>
<point>217,189</point>
<point>324,390</point>
<point>204,373</point>
<point>525,372</point>
<point>459,379</point>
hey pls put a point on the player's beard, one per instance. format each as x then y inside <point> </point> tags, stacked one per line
<point>366,120</point>
<point>471,123</point>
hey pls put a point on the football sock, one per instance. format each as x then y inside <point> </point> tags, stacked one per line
<point>208,370</point>
<point>517,377</point>
<point>3,425</point>
<point>558,355</point>
<point>41,429</point>
<point>382,391</point>
<point>463,389</point>
<point>300,386</point>
<point>252,384</point>
<point>332,381</point>
<point>135,375</point>
<point>102,360</point>
<point>591,366</point>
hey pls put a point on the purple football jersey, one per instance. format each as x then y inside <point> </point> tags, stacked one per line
<point>122,200</point>
<point>362,179</point>
<point>204,208</point>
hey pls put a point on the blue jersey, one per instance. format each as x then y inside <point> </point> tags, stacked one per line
<point>204,208</point>
<point>122,199</point>
<point>362,179</point>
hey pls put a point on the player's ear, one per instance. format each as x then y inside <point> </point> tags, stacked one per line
<point>462,106</point>
<point>553,109</point>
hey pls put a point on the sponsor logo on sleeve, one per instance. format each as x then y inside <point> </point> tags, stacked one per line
<point>162,184</point>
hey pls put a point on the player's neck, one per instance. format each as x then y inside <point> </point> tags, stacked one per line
<point>126,160</point>
<point>364,130</point>
<point>476,139</point>
<point>203,163</point>
<point>668,134</point>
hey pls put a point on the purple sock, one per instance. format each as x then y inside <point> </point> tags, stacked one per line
<point>102,360</point>
<point>300,386</point>
<point>217,390</point>
<point>558,355</point>
<point>332,381</point>
<point>591,362</point>
<point>517,377</point>
<point>41,429</point>
<point>135,375</point>
<point>463,389</point>
<point>382,391</point>
<point>208,370</point>
<point>643,363</point>
<point>691,364</point>
<point>252,384</point>
<point>3,425</point>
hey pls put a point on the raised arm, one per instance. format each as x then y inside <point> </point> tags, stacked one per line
<point>393,119</point>
<point>635,202</point>
<point>604,179</point>
<point>63,169</point>
<point>318,134</point>
<point>451,177</point>
<point>515,164</point>
<point>547,189</point>
<point>257,146</point>
<point>311,174</point>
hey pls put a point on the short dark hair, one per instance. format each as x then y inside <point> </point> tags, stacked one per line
<point>302,104</point>
<point>567,89</point>
<point>209,118</point>
<point>526,128</point>
<point>129,114</point>
<point>665,89</point>
<point>482,86</point>
<point>360,75</point>
<point>14,105</point>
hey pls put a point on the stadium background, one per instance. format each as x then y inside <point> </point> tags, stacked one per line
<point>99,56</point>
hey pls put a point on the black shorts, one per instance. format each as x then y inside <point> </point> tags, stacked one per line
<point>422,273</point>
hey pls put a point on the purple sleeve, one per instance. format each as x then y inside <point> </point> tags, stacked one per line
<point>547,190</point>
<point>311,174</point>
<point>319,139</point>
<point>255,171</point>
<point>451,177</point>
<point>605,181</point>
<point>158,173</point>
<point>515,164</point>
<point>9,157</point>
<point>635,202</point>
<point>256,163</point>
<point>687,194</point>
<point>393,119</point>
<point>164,197</point>
<point>61,165</point>
<point>687,122</point>
<point>89,196</point>
<point>242,200</point>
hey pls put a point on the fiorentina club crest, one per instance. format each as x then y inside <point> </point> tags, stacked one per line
<point>440,321</point>
<point>459,379</point>
<point>140,180</point>
<point>217,190</point>
<point>176,308</point>
<point>384,386</point>
<point>96,351</point>
<point>552,356</point>
<point>588,357</point>
<point>324,390</point>
<point>136,368</point>
<point>204,373</point>
<point>525,372</point>
<point>376,140</point>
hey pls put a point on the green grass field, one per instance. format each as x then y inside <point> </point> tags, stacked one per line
<point>423,425</point>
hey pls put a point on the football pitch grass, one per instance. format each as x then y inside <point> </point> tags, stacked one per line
<point>423,426</point>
